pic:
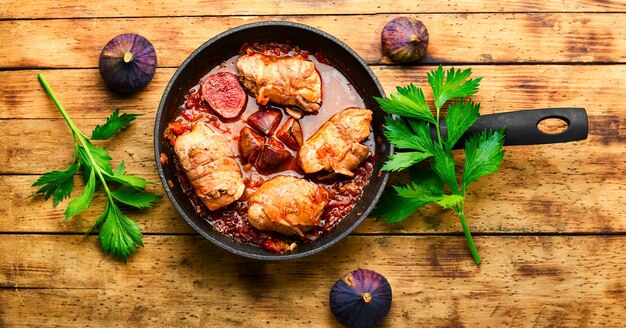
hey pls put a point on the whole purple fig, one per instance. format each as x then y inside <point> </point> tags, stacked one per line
<point>361,299</point>
<point>404,39</point>
<point>127,63</point>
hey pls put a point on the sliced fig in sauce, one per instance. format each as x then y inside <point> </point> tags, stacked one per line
<point>250,144</point>
<point>223,92</point>
<point>273,156</point>
<point>290,133</point>
<point>265,121</point>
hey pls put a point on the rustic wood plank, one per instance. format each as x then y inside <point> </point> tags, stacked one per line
<point>512,201</point>
<point>47,9</point>
<point>454,38</point>
<point>569,281</point>
<point>23,213</point>
<point>599,88</point>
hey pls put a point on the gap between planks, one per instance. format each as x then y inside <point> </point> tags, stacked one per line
<point>494,37</point>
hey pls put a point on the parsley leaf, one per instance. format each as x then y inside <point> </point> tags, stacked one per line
<point>461,115</point>
<point>412,131</point>
<point>118,233</point>
<point>398,132</point>
<point>422,131</point>
<point>401,161</point>
<point>408,102</point>
<point>483,155</point>
<point>450,201</point>
<point>114,124</point>
<point>419,191</point>
<point>398,202</point>
<point>443,166</point>
<point>57,183</point>
<point>415,135</point>
<point>120,169</point>
<point>82,202</point>
<point>451,85</point>
<point>129,180</point>
<point>392,208</point>
<point>100,158</point>
<point>427,179</point>
<point>135,198</point>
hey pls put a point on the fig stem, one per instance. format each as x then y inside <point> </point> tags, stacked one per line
<point>128,57</point>
<point>366,297</point>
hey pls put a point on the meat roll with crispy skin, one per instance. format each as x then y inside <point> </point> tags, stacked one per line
<point>291,81</point>
<point>210,166</point>
<point>287,205</point>
<point>336,146</point>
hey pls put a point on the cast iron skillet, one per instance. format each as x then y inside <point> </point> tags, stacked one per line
<point>226,45</point>
<point>521,126</point>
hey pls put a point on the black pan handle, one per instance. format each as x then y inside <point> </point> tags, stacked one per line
<point>521,126</point>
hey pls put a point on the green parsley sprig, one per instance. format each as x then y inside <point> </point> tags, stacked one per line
<point>118,233</point>
<point>410,131</point>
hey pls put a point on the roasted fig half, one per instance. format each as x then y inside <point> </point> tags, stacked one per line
<point>273,156</point>
<point>265,121</point>
<point>250,144</point>
<point>290,133</point>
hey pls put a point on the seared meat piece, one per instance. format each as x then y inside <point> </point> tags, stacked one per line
<point>336,146</point>
<point>288,205</point>
<point>285,81</point>
<point>209,162</point>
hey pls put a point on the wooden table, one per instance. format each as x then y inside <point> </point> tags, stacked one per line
<point>551,226</point>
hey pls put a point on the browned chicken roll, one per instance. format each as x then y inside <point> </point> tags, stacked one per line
<point>287,205</point>
<point>336,146</point>
<point>210,166</point>
<point>290,81</point>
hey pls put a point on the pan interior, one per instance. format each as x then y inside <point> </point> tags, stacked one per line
<point>225,46</point>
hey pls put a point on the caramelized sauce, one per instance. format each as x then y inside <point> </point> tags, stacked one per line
<point>337,94</point>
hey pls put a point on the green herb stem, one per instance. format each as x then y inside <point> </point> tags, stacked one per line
<point>468,235</point>
<point>483,151</point>
<point>118,233</point>
<point>437,127</point>
<point>54,98</point>
<point>75,131</point>
<point>96,167</point>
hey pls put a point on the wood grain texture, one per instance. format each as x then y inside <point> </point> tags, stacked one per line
<point>492,38</point>
<point>118,8</point>
<point>565,199</point>
<point>598,88</point>
<point>23,213</point>
<point>183,280</point>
